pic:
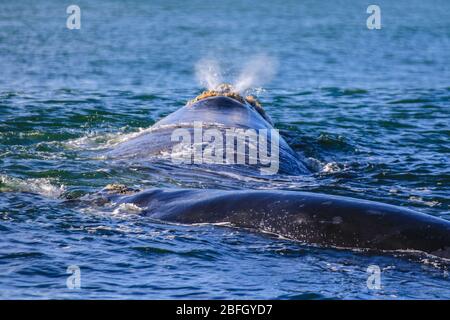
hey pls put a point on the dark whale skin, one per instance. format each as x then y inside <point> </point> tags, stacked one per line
<point>215,112</point>
<point>308,217</point>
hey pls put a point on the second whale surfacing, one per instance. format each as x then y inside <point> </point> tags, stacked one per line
<point>311,218</point>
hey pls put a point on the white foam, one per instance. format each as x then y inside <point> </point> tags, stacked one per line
<point>421,201</point>
<point>127,208</point>
<point>102,141</point>
<point>42,186</point>
<point>331,167</point>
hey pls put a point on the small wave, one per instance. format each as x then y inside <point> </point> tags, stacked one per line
<point>409,101</point>
<point>314,164</point>
<point>331,167</point>
<point>420,200</point>
<point>22,255</point>
<point>119,211</point>
<point>321,167</point>
<point>145,97</point>
<point>127,208</point>
<point>42,186</point>
<point>334,142</point>
<point>337,92</point>
<point>101,141</point>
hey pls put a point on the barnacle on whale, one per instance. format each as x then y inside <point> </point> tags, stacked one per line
<point>227,90</point>
<point>119,189</point>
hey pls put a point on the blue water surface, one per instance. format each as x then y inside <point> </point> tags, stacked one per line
<point>369,108</point>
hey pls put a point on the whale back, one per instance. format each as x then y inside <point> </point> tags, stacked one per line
<point>324,220</point>
<point>219,113</point>
<point>218,110</point>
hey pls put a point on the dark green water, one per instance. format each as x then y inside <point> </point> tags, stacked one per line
<point>370,108</point>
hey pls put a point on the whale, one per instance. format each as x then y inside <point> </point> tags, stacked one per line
<point>315,219</point>
<point>311,218</point>
<point>221,113</point>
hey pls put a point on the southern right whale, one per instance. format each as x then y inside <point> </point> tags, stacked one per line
<point>312,218</point>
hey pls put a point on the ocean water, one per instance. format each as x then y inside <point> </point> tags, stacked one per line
<point>369,108</point>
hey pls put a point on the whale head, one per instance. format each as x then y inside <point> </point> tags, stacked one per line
<point>227,90</point>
